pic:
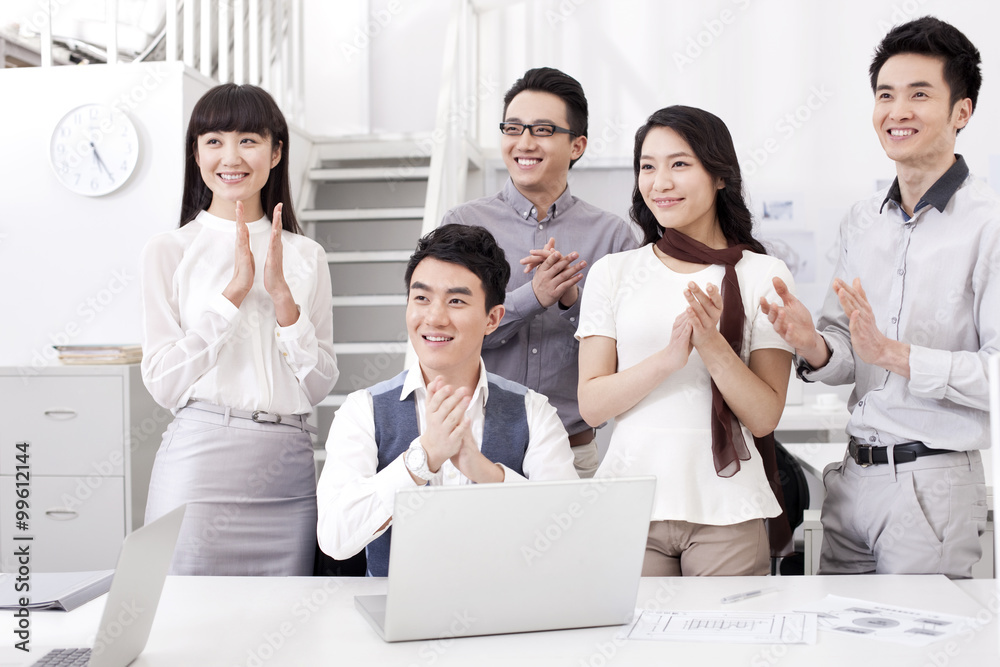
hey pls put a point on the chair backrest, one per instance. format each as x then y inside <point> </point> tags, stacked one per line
<point>793,485</point>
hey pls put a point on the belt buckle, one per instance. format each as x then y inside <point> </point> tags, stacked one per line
<point>276,419</point>
<point>859,448</point>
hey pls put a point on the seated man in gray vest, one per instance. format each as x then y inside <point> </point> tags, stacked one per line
<point>445,420</point>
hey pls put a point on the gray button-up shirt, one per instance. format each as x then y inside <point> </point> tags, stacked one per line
<point>933,281</point>
<point>534,345</point>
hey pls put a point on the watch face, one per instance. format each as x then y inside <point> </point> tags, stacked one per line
<point>94,149</point>
<point>416,461</point>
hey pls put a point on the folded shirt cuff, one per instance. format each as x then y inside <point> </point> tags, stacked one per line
<point>223,306</point>
<point>929,372</point>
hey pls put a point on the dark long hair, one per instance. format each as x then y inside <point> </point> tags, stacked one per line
<point>712,144</point>
<point>234,108</point>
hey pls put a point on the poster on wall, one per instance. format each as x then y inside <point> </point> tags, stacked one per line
<point>781,232</point>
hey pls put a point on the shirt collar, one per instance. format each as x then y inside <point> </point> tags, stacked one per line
<point>415,380</point>
<point>526,210</point>
<point>939,194</point>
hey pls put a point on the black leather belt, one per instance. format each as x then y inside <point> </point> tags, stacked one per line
<point>907,452</point>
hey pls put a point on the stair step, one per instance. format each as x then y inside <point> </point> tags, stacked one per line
<point>353,214</point>
<point>364,256</point>
<point>387,174</point>
<point>369,348</point>
<point>370,300</point>
<point>415,147</point>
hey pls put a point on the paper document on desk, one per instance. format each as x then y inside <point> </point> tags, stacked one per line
<point>724,627</point>
<point>58,591</point>
<point>915,627</point>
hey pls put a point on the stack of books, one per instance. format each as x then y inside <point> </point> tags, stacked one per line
<point>99,354</point>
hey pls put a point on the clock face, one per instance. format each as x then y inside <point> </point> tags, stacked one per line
<point>94,149</point>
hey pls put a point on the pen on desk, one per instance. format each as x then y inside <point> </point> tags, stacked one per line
<point>747,595</point>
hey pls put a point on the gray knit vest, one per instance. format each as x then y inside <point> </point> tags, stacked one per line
<point>505,437</point>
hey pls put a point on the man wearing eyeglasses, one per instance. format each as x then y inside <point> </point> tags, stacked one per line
<point>556,235</point>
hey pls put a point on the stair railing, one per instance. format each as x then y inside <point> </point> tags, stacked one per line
<point>456,120</point>
<point>242,41</point>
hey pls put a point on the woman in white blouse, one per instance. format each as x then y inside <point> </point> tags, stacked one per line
<point>675,348</point>
<point>238,343</point>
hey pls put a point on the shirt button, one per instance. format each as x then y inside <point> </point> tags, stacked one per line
<point>900,272</point>
<point>871,438</point>
<point>861,404</point>
<point>534,350</point>
<point>894,320</point>
<point>503,340</point>
<point>532,211</point>
<point>541,226</point>
<point>277,334</point>
<point>284,354</point>
<point>572,319</point>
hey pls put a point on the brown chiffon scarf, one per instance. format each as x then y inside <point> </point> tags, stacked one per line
<point>728,444</point>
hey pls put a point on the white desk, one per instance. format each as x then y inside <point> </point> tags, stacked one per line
<point>810,415</point>
<point>273,622</point>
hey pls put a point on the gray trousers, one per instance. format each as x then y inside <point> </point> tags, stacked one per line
<point>923,517</point>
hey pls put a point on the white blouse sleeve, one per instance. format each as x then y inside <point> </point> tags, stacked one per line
<point>173,357</point>
<point>597,314</point>
<point>307,344</point>
<point>762,333</point>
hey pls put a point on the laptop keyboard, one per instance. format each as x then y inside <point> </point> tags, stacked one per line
<point>65,657</point>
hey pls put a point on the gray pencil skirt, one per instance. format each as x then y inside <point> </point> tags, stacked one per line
<point>251,494</point>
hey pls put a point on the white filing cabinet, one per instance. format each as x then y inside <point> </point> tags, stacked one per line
<point>92,433</point>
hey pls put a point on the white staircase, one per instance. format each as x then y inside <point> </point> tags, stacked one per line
<point>364,202</point>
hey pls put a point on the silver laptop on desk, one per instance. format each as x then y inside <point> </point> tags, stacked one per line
<point>132,600</point>
<point>499,558</point>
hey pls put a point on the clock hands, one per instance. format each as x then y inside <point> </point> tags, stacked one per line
<point>100,162</point>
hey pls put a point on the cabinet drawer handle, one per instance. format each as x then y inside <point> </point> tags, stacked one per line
<point>60,413</point>
<point>61,514</point>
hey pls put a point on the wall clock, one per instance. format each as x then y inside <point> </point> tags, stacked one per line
<point>94,149</point>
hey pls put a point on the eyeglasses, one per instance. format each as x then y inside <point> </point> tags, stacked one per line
<point>537,130</point>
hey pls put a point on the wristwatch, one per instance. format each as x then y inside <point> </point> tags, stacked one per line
<point>415,460</point>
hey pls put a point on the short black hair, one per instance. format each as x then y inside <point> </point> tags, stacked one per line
<point>929,36</point>
<point>469,246</point>
<point>560,84</point>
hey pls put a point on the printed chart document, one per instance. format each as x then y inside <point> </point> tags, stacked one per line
<point>724,627</point>
<point>889,623</point>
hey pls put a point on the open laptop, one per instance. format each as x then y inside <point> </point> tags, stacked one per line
<point>499,558</point>
<point>132,600</point>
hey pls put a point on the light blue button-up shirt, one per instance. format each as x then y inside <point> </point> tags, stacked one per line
<point>933,281</point>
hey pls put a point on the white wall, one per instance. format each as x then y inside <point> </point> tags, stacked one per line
<point>752,62</point>
<point>788,77</point>
<point>68,263</point>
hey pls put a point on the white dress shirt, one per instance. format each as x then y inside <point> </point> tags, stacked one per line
<point>197,345</point>
<point>355,500</point>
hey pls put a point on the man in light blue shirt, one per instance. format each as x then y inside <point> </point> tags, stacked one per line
<point>911,321</point>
